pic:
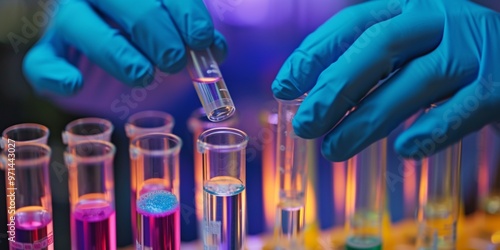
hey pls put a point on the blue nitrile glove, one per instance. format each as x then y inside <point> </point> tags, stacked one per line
<point>126,38</point>
<point>442,48</point>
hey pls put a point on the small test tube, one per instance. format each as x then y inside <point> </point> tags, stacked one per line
<point>291,165</point>
<point>28,194</point>
<point>197,123</point>
<point>365,197</point>
<point>439,199</point>
<point>141,123</point>
<point>26,132</point>
<point>156,158</point>
<point>224,171</point>
<point>210,85</point>
<point>89,128</point>
<point>92,201</point>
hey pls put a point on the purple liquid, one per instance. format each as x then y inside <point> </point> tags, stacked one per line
<point>158,221</point>
<point>94,226</point>
<point>33,227</point>
<point>133,202</point>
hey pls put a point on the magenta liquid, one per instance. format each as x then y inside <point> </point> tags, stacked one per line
<point>33,230</point>
<point>93,226</point>
<point>133,202</point>
<point>158,221</point>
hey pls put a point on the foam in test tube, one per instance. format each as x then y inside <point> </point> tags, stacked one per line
<point>291,165</point>
<point>224,174</point>
<point>365,197</point>
<point>144,122</point>
<point>89,128</point>
<point>91,187</point>
<point>210,85</point>
<point>30,191</point>
<point>156,158</point>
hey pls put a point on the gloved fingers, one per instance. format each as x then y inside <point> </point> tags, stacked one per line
<point>151,30</point>
<point>470,109</point>
<point>219,47</point>
<point>418,84</point>
<point>321,48</point>
<point>381,49</point>
<point>81,27</point>
<point>46,68</point>
<point>193,22</point>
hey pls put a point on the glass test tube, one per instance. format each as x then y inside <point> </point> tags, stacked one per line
<point>142,123</point>
<point>291,164</point>
<point>365,197</point>
<point>224,171</point>
<point>156,158</point>
<point>197,123</point>
<point>92,201</point>
<point>87,129</point>
<point>26,132</point>
<point>439,199</point>
<point>28,194</point>
<point>210,85</point>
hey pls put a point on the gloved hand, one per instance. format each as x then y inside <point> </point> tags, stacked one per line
<point>435,50</point>
<point>126,38</point>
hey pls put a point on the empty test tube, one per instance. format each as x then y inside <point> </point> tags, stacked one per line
<point>141,123</point>
<point>291,165</point>
<point>28,194</point>
<point>224,174</point>
<point>156,158</point>
<point>92,200</point>
<point>210,85</point>
<point>365,197</point>
<point>439,199</point>
<point>87,129</point>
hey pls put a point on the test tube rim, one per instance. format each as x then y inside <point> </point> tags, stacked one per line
<point>90,159</point>
<point>202,146</point>
<point>38,161</point>
<point>297,100</point>
<point>195,121</point>
<point>168,117</point>
<point>170,151</point>
<point>90,120</point>
<point>43,128</point>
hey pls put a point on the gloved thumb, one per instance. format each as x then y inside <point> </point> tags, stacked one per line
<point>467,111</point>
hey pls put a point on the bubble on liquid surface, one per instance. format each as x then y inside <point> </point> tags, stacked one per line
<point>157,202</point>
<point>224,186</point>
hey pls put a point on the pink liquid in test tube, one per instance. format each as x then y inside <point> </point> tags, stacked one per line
<point>33,231</point>
<point>93,223</point>
<point>158,221</point>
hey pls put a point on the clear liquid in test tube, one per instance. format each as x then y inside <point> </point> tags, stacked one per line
<point>210,85</point>
<point>29,201</point>
<point>439,199</point>
<point>291,162</point>
<point>91,186</point>
<point>224,212</point>
<point>156,158</point>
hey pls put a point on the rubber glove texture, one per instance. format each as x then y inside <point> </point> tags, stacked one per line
<point>435,51</point>
<point>126,38</point>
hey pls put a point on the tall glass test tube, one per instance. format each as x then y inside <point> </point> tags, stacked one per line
<point>87,129</point>
<point>291,163</point>
<point>223,151</point>
<point>439,199</point>
<point>156,158</point>
<point>197,123</point>
<point>28,194</point>
<point>210,85</point>
<point>142,123</point>
<point>26,132</point>
<point>365,197</point>
<point>91,187</point>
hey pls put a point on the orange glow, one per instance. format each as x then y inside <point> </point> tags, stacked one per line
<point>424,186</point>
<point>483,181</point>
<point>198,179</point>
<point>310,211</point>
<point>350,198</point>
<point>339,191</point>
<point>269,182</point>
<point>409,187</point>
